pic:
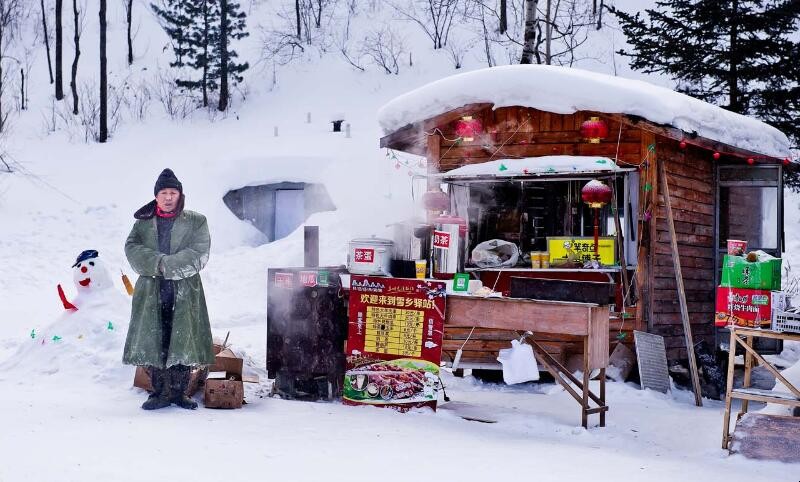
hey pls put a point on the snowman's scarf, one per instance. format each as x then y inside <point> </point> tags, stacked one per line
<point>151,209</point>
<point>163,214</point>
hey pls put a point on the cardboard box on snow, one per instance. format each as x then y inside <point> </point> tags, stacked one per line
<point>747,307</point>
<point>224,386</point>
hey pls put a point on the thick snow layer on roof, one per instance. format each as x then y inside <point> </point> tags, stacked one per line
<point>532,166</point>
<point>567,90</point>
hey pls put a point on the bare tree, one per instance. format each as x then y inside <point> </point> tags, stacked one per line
<point>435,17</point>
<point>128,7</point>
<point>503,16</point>
<point>223,51</point>
<point>46,42</point>
<point>384,47</point>
<point>77,17</point>
<point>531,24</point>
<point>297,15</point>
<point>103,137</point>
<point>10,17</point>
<point>59,50</point>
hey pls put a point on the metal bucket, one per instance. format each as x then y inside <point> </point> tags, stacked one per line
<point>448,240</point>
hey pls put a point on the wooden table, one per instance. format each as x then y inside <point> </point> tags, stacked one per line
<point>744,337</point>
<point>586,320</point>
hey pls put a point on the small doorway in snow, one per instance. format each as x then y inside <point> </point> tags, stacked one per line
<point>278,209</point>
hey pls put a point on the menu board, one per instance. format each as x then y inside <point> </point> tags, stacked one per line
<point>394,342</point>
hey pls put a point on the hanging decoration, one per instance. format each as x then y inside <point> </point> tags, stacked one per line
<point>33,334</point>
<point>682,145</point>
<point>502,167</point>
<point>56,338</point>
<point>467,128</point>
<point>594,130</point>
<point>751,161</point>
<point>716,155</point>
<point>596,195</point>
<point>110,326</point>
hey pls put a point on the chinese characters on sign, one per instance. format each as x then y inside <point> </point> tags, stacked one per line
<point>582,249</point>
<point>364,255</point>
<point>394,342</point>
<point>441,239</point>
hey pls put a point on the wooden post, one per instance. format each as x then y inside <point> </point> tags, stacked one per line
<point>727,416</point>
<point>676,263</point>
<point>310,246</point>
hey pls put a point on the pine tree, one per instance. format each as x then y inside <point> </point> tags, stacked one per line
<point>195,29</point>
<point>232,28</point>
<point>176,21</point>
<point>741,54</point>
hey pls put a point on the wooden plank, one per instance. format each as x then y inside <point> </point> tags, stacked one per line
<point>504,313</point>
<point>726,417</point>
<point>597,343</point>
<point>681,291</point>
<point>478,152</point>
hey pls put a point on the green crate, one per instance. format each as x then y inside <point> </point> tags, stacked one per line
<point>737,272</point>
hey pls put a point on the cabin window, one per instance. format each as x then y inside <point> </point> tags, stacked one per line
<point>526,212</point>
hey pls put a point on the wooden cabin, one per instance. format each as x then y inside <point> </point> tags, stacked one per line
<point>721,185</point>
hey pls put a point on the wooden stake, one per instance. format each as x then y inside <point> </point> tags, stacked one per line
<point>676,262</point>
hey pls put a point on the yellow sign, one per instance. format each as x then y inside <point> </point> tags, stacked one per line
<point>582,249</point>
<point>394,331</point>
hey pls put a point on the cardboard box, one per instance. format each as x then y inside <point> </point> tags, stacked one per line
<point>747,307</point>
<point>222,393</point>
<point>227,361</point>
<point>737,272</point>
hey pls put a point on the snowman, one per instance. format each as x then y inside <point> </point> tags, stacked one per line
<point>92,281</point>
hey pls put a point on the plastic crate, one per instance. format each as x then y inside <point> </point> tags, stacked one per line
<point>786,321</point>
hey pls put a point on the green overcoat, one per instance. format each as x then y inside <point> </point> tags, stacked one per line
<point>191,342</point>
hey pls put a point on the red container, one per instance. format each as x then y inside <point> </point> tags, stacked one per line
<point>744,307</point>
<point>737,247</point>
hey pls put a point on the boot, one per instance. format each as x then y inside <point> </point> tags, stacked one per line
<point>160,396</point>
<point>179,382</point>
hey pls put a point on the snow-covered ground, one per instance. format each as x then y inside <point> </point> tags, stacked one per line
<point>69,411</point>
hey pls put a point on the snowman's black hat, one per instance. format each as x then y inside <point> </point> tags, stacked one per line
<point>88,254</point>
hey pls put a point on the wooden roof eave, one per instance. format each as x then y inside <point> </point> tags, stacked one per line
<point>413,138</point>
<point>691,138</point>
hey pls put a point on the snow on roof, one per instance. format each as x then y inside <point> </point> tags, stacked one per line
<point>564,90</point>
<point>536,166</point>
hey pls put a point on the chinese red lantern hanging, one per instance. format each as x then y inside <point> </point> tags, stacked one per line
<point>594,130</point>
<point>468,128</point>
<point>596,195</point>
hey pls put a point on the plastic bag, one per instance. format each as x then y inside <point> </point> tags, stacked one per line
<point>495,253</point>
<point>519,364</point>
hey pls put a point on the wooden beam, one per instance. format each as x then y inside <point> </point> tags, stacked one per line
<point>687,327</point>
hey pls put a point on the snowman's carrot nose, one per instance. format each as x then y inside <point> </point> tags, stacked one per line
<point>83,269</point>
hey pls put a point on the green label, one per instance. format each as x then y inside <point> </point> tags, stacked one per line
<point>760,300</point>
<point>461,282</point>
<point>322,278</point>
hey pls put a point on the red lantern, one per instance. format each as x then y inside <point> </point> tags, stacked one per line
<point>786,161</point>
<point>596,195</point>
<point>594,129</point>
<point>467,128</point>
<point>751,161</point>
<point>716,156</point>
<point>682,144</point>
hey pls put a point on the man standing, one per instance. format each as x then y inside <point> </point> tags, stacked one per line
<point>169,330</point>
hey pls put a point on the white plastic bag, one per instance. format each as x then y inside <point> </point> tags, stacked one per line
<point>495,253</point>
<point>519,364</point>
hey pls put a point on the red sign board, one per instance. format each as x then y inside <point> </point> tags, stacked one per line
<point>308,278</point>
<point>441,239</point>
<point>364,255</point>
<point>284,280</point>
<point>394,342</point>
